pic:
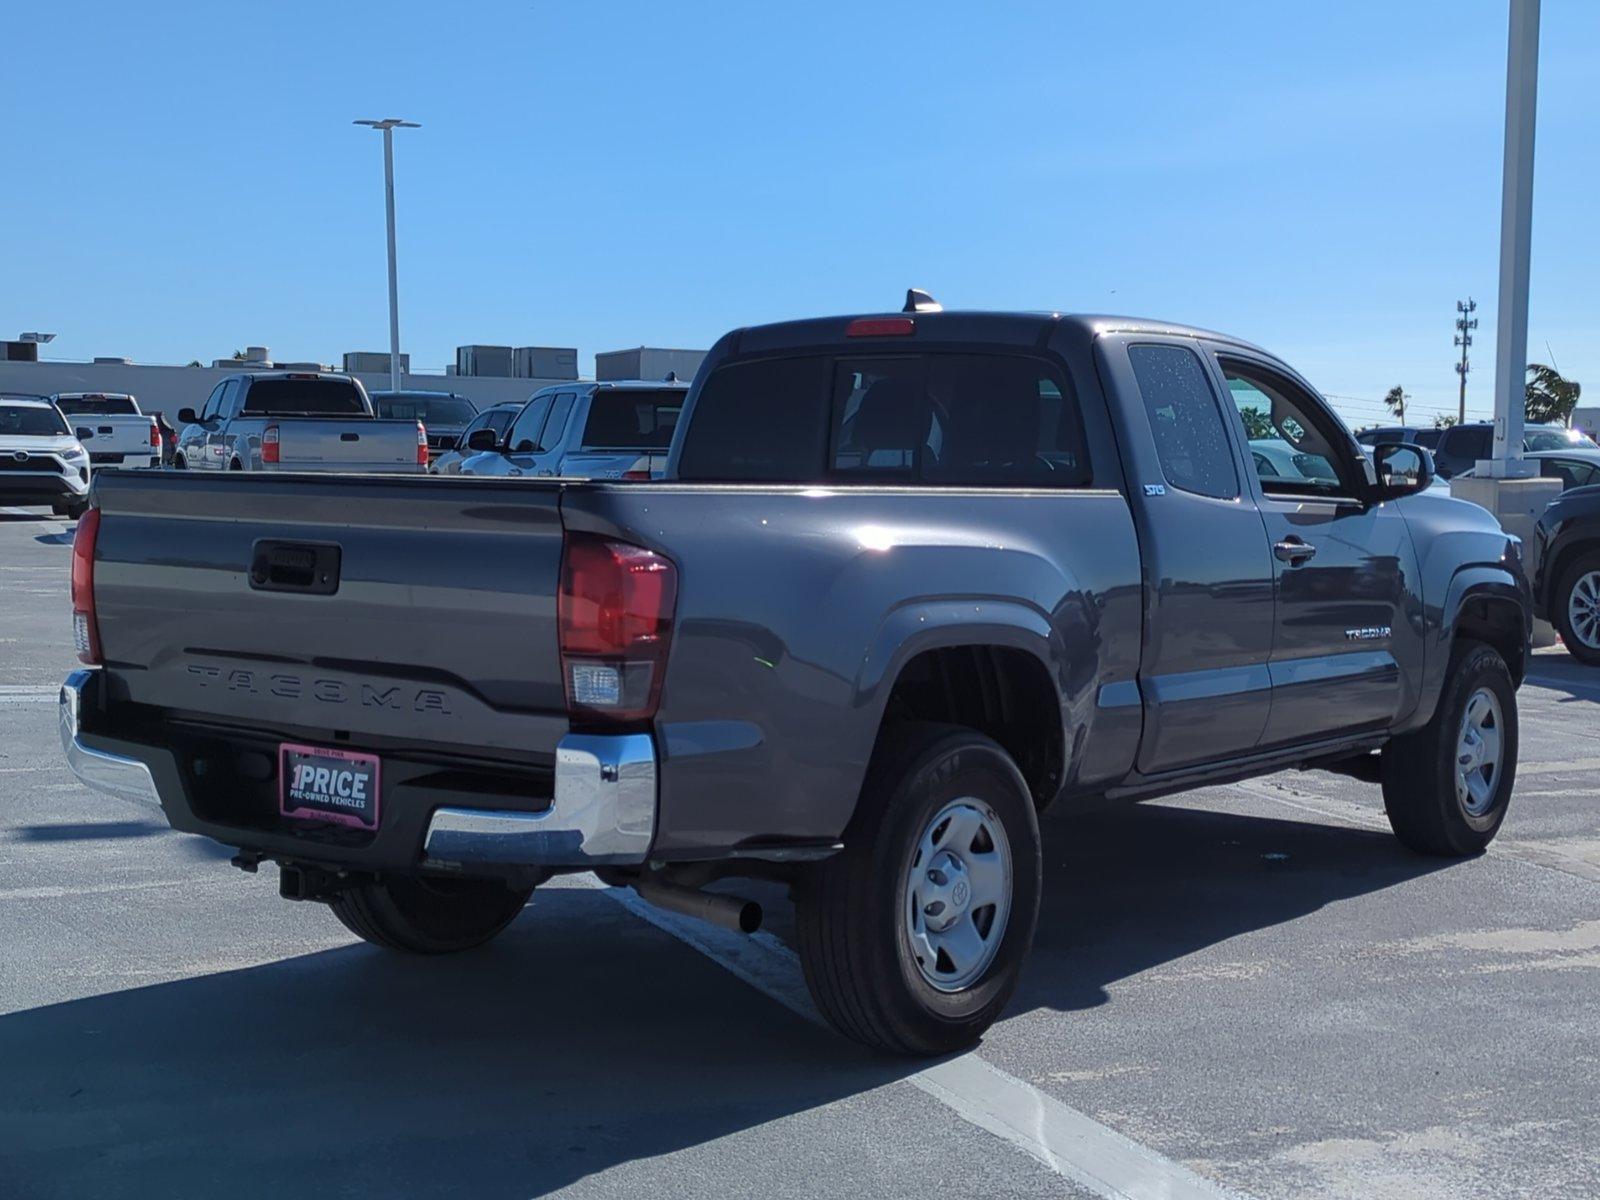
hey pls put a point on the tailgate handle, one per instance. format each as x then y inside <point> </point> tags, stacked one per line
<point>308,567</point>
<point>349,437</point>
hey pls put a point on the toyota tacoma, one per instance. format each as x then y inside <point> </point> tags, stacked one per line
<point>909,579</point>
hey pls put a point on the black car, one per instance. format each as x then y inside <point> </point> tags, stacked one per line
<point>445,415</point>
<point>1566,571</point>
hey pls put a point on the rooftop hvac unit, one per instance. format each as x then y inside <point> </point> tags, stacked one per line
<point>647,362</point>
<point>484,360</point>
<point>545,362</point>
<point>374,362</point>
<point>112,361</point>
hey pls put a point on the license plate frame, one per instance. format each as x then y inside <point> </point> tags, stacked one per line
<point>318,798</point>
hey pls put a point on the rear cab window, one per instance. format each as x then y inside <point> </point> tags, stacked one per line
<point>632,418</point>
<point>931,418</point>
<point>98,406</point>
<point>309,397</point>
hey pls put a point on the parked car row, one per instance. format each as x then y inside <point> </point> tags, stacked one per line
<point>1457,449</point>
<point>907,579</point>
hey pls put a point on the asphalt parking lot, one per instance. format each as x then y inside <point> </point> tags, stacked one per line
<point>1247,990</point>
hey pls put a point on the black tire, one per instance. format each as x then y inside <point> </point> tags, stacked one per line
<point>1560,611</point>
<point>850,910</point>
<point>236,465</point>
<point>1419,769</point>
<point>428,916</point>
<point>179,463</point>
<point>71,511</point>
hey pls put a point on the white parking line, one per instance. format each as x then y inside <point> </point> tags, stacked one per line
<point>29,694</point>
<point>1068,1142</point>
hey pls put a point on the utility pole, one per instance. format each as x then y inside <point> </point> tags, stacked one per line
<point>1465,324</point>
<point>389,125</point>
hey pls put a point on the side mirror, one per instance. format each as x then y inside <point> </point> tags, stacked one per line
<point>83,433</point>
<point>1402,470</point>
<point>186,417</point>
<point>480,440</point>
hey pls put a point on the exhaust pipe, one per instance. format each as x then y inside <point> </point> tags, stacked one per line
<point>730,912</point>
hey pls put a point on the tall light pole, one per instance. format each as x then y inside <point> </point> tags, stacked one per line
<point>1516,240</point>
<point>389,125</point>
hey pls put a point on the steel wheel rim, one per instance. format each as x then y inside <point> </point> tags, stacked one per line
<point>1583,609</point>
<point>958,894</point>
<point>1480,745</point>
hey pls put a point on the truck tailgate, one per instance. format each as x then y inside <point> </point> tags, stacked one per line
<point>346,444</point>
<point>378,611</point>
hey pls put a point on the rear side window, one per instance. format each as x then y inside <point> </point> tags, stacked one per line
<point>944,419</point>
<point>1191,440</point>
<point>307,397</point>
<point>761,422</point>
<point>629,419</point>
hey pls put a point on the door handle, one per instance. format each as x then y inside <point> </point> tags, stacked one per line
<point>1293,551</point>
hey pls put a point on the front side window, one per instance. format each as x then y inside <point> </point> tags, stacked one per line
<point>1191,440</point>
<point>213,402</point>
<point>1291,432</point>
<point>524,436</point>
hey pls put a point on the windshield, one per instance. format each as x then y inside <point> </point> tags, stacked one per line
<point>430,410</point>
<point>314,397</point>
<point>633,420</point>
<point>29,421</point>
<point>98,406</point>
<point>1557,439</point>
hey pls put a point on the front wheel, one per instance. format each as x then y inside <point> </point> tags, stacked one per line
<point>1575,610</point>
<point>912,938</point>
<point>1447,786</point>
<point>428,916</point>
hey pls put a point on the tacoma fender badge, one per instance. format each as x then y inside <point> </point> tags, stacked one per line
<point>1368,633</point>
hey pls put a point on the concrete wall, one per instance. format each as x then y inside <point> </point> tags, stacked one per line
<point>167,389</point>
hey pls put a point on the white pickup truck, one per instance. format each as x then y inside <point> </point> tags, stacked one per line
<point>296,421</point>
<point>112,428</point>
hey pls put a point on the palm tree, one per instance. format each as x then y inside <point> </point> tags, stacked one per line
<point>1550,397</point>
<point>1395,401</point>
<point>1443,421</point>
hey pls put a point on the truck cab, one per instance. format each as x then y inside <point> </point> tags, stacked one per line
<point>612,430</point>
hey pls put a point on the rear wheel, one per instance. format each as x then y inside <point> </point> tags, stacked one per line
<point>428,916</point>
<point>1575,609</point>
<point>1447,786</point>
<point>913,937</point>
<point>71,511</point>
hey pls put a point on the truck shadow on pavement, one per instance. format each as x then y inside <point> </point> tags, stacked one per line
<point>581,1041</point>
<point>1130,889</point>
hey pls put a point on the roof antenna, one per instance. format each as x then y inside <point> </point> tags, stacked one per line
<point>918,300</point>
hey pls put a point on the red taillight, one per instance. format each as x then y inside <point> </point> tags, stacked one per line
<point>615,617</point>
<point>85,628</point>
<point>636,475</point>
<point>422,445</point>
<point>881,327</point>
<point>269,444</point>
<point>155,436</point>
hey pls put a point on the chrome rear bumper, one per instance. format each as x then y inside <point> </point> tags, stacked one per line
<point>603,813</point>
<point>111,773</point>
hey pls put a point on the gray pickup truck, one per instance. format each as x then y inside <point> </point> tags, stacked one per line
<point>910,579</point>
<point>296,421</point>
<point>608,430</point>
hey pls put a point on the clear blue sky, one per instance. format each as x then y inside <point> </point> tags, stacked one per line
<point>181,180</point>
